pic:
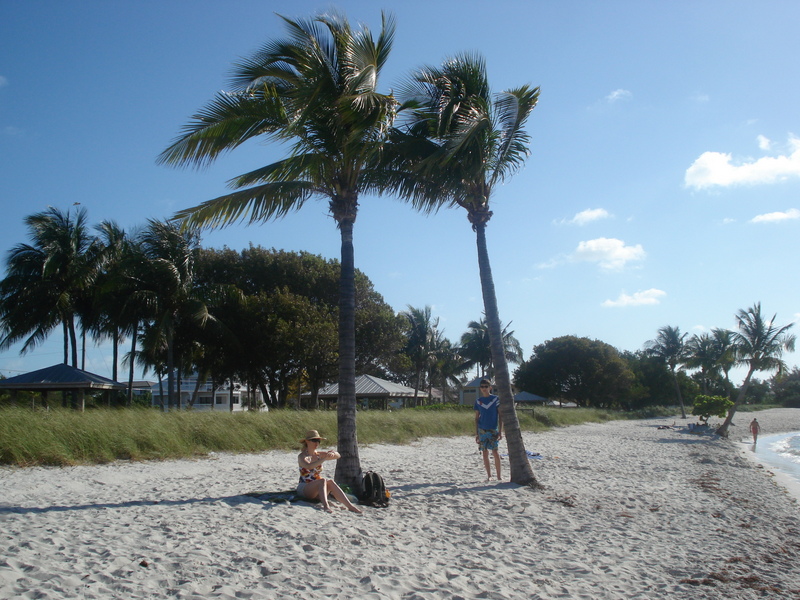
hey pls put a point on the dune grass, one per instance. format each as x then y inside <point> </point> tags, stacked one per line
<point>63,437</point>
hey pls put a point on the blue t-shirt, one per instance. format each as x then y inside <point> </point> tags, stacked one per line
<point>487,407</point>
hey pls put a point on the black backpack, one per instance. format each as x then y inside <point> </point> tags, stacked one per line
<point>374,492</point>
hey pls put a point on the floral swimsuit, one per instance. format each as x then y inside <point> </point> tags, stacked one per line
<point>309,475</point>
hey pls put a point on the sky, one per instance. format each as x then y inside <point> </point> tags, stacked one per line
<point>663,185</point>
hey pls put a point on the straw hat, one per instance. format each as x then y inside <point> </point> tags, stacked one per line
<point>312,434</point>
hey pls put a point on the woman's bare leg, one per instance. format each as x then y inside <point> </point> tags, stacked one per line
<point>339,495</point>
<point>318,490</point>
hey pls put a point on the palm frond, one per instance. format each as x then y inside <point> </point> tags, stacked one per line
<point>227,122</point>
<point>253,205</point>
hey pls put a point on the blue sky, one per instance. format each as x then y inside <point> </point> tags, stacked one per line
<point>662,187</point>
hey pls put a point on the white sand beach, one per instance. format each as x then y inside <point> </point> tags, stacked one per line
<point>627,511</point>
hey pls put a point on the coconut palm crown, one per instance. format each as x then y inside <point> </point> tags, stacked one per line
<point>316,90</point>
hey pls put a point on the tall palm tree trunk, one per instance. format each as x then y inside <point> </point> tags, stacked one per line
<point>170,369</point>
<point>521,471</point>
<point>131,367</point>
<point>66,341</point>
<point>348,467</point>
<point>115,354</point>
<point>73,341</point>
<point>723,429</point>
<point>678,393</point>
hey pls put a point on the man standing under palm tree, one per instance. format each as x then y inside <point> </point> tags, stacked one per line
<point>488,428</point>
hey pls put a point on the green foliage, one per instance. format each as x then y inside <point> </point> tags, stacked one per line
<point>786,388</point>
<point>588,372</point>
<point>653,383</point>
<point>706,407</point>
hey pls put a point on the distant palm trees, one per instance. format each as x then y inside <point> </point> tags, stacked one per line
<point>669,346</point>
<point>477,351</point>
<point>757,344</point>
<point>420,341</point>
<point>48,282</point>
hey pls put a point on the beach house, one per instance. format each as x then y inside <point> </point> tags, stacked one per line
<point>225,397</point>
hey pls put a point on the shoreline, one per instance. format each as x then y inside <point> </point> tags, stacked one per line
<point>784,479</point>
<point>625,511</point>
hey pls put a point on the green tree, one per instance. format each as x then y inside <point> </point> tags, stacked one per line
<point>316,89</point>
<point>460,144</point>
<point>476,347</point>
<point>786,388</point>
<point>48,280</point>
<point>652,380</point>
<point>669,346</point>
<point>702,353</point>
<point>169,291</point>
<point>587,372</point>
<point>706,407</point>
<point>760,345</point>
<point>421,333</point>
<point>447,365</point>
<point>725,352</point>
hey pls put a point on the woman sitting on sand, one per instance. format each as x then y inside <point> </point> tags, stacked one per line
<point>312,484</point>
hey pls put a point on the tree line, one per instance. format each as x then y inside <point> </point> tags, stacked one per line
<point>263,316</point>
<point>593,373</point>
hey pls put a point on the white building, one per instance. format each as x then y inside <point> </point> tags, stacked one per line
<point>239,398</point>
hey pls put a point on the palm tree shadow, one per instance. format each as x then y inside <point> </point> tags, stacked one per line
<point>231,500</point>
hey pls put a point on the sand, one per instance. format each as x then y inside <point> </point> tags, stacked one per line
<point>627,510</point>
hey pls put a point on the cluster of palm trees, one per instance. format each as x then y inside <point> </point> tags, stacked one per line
<point>758,344</point>
<point>446,141</point>
<point>107,285</point>
<point>436,360</point>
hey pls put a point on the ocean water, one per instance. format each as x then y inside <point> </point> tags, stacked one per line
<point>781,452</point>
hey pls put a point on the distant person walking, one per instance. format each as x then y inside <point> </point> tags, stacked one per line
<point>755,429</point>
<point>488,427</point>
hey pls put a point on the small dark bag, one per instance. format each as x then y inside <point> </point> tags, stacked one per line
<point>374,491</point>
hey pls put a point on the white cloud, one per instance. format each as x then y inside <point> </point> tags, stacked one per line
<point>617,95</point>
<point>717,168</point>
<point>701,98</point>
<point>775,217</point>
<point>3,81</point>
<point>608,253</point>
<point>587,216</point>
<point>651,296</point>
<point>763,142</point>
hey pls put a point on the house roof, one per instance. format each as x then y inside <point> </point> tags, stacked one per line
<point>528,397</point>
<point>60,377</point>
<point>370,386</point>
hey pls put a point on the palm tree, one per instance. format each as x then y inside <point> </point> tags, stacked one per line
<point>725,352</point>
<point>476,348</point>
<point>317,89</point>
<point>760,345</point>
<point>669,346</point>
<point>420,341</point>
<point>447,363</point>
<point>461,142</point>
<point>168,290</point>
<point>701,353</point>
<point>48,281</point>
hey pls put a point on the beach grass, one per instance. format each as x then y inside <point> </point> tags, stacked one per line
<point>62,437</point>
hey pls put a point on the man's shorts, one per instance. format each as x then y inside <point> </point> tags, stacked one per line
<point>488,439</point>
